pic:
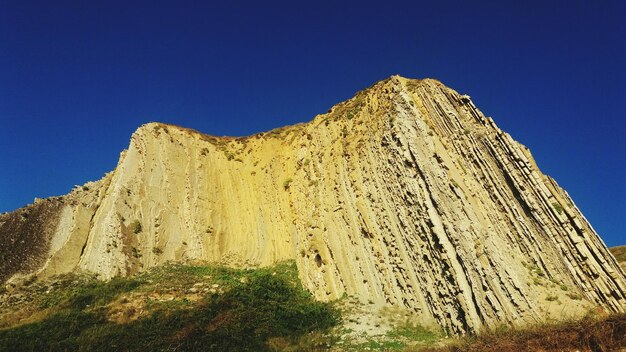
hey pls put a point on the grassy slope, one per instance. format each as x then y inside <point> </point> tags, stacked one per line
<point>210,308</point>
<point>174,308</point>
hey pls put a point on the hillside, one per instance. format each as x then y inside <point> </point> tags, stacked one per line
<point>405,196</point>
<point>620,254</point>
<point>200,307</point>
<point>173,307</point>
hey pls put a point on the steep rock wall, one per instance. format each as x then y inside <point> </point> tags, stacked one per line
<point>406,195</point>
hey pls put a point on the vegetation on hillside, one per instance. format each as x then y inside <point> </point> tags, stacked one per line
<point>593,333</point>
<point>211,308</point>
<point>240,310</point>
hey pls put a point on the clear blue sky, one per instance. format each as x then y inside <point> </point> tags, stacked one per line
<point>78,77</point>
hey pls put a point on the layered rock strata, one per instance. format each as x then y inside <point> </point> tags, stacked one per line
<point>405,194</point>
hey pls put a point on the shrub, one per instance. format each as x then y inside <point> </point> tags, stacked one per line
<point>589,334</point>
<point>136,226</point>
<point>574,296</point>
<point>557,207</point>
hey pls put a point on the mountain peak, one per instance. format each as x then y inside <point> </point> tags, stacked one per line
<point>404,195</point>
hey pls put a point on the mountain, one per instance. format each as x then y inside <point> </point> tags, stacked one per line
<point>405,195</point>
<point>620,254</point>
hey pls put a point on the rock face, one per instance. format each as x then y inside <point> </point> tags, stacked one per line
<point>405,194</point>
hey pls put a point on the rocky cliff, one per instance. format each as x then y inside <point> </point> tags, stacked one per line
<point>406,195</point>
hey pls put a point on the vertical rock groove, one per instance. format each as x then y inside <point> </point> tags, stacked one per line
<point>405,195</point>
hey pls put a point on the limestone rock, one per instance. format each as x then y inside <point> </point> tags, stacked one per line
<point>405,195</point>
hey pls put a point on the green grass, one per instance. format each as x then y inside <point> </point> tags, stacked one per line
<point>264,309</point>
<point>269,303</point>
<point>87,292</point>
<point>385,345</point>
<point>415,333</point>
<point>401,338</point>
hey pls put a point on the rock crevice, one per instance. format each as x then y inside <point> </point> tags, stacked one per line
<point>405,195</point>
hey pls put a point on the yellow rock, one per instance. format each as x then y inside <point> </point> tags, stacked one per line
<point>405,195</point>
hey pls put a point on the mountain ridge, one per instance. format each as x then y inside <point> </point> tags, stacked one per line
<point>405,194</point>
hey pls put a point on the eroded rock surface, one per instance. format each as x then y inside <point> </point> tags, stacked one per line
<point>405,195</point>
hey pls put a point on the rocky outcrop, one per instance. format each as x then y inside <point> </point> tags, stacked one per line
<point>405,195</point>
